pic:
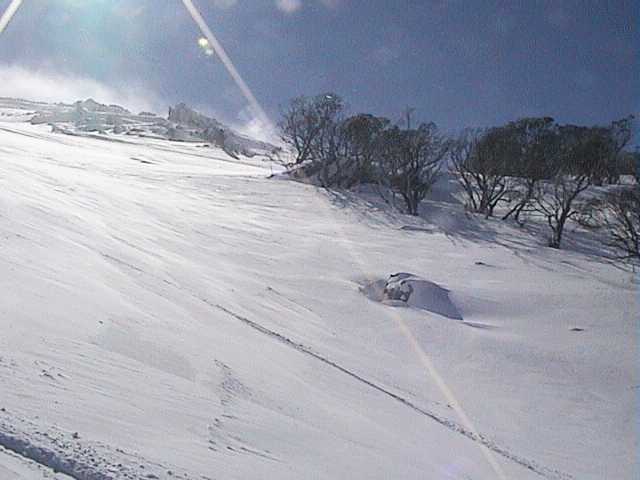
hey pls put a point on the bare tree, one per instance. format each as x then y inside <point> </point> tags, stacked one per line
<point>619,135</point>
<point>572,174</point>
<point>535,146</point>
<point>363,135</point>
<point>308,125</point>
<point>556,201</point>
<point>479,160</point>
<point>299,128</point>
<point>629,164</point>
<point>622,219</point>
<point>411,160</point>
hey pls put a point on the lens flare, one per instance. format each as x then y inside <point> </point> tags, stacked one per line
<point>9,13</point>
<point>206,46</point>
<point>215,46</point>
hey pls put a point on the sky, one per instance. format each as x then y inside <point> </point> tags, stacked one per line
<point>459,63</point>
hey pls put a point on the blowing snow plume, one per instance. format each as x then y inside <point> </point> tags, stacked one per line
<point>214,46</point>
<point>49,86</point>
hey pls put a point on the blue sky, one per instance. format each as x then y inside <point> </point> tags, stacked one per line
<point>457,62</point>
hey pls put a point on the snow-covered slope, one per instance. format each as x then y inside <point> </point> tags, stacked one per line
<point>14,466</point>
<point>167,311</point>
<point>89,118</point>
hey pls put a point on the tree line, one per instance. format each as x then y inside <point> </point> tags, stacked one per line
<point>528,167</point>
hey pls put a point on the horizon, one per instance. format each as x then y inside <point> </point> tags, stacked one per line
<point>575,65</point>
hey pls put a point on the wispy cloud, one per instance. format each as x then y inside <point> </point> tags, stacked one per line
<point>49,86</point>
<point>331,3</point>
<point>248,124</point>
<point>292,6</point>
<point>385,55</point>
<point>289,6</point>
<point>225,4</point>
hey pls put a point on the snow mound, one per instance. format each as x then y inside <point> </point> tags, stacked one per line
<point>408,290</point>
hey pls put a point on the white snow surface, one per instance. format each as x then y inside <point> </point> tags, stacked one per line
<point>14,466</point>
<point>168,311</point>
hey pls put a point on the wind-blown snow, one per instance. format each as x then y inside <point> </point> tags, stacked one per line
<point>167,311</point>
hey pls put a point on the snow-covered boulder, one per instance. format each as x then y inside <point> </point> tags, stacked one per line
<point>408,290</point>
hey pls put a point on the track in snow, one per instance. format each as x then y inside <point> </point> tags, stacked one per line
<point>451,425</point>
<point>58,452</point>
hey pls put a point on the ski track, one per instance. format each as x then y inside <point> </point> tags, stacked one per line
<point>86,459</point>
<point>533,466</point>
<point>79,459</point>
<point>544,472</point>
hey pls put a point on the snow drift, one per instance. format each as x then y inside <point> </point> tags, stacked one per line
<point>406,289</point>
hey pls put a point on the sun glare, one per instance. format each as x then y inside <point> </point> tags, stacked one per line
<point>206,46</point>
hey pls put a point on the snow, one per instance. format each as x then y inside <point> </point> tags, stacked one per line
<point>16,467</point>
<point>169,308</point>
<point>90,117</point>
<point>406,289</point>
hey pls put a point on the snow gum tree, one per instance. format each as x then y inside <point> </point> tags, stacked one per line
<point>479,160</point>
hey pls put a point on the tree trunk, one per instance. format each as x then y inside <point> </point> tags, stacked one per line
<point>556,235</point>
